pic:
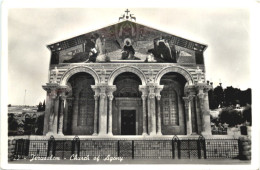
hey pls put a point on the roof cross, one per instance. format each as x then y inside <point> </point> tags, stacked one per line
<point>127,11</point>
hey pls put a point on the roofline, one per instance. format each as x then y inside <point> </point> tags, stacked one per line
<point>206,46</point>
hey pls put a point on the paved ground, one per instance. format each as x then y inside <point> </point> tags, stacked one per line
<point>138,161</point>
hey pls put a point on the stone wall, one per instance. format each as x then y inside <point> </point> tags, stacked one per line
<point>110,67</point>
<point>11,149</point>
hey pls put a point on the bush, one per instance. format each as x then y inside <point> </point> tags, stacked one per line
<point>231,117</point>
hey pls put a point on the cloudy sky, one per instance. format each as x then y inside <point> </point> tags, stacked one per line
<point>226,31</point>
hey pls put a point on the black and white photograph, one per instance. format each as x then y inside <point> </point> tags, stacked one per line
<point>128,85</point>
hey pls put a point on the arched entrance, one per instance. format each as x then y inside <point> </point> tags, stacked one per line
<point>79,111</point>
<point>127,105</point>
<point>172,105</point>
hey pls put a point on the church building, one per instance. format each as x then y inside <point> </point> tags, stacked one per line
<point>124,80</point>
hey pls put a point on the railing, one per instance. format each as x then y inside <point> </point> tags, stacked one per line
<point>196,148</point>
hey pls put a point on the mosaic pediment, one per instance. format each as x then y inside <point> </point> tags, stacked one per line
<point>127,41</point>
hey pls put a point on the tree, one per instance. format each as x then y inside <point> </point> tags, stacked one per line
<point>230,116</point>
<point>219,95</point>
<point>247,114</point>
<point>43,106</point>
<point>40,107</point>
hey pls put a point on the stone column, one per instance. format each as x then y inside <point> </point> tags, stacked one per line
<point>55,118</point>
<point>96,97</point>
<point>187,102</point>
<point>206,115</point>
<point>102,111</point>
<point>204,107</point>
<point>158,97</point>
<point>51,115</point>
<point>159,125</point>
<point>152,121</point>
<point>143,89</point>
<point>65,124</point>
<point>51,89</point>
<point>62,107</point>
<point>110,89</point>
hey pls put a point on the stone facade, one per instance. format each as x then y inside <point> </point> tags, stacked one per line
<point>191,96</point>
<point>151,84</point>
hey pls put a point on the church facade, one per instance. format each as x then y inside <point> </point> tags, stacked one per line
<point>127,79</point>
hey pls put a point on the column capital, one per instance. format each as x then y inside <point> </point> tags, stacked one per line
<point>151,95</point>
<point>188,98</point>
<point>55,89</point>
<point>203,87</point>
<point>143,89</point>
<point>103,95</point>
<point>190,90</point>
<point>111,89</point>
<point>110,97</point>
<point>96,96</point>
<point>144,97</point>
<point>158,97</point>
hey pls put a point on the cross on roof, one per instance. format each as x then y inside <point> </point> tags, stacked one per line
<point>127,11</point>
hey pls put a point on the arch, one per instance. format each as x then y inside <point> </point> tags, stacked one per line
<point>175,69</point>
<point>66,76</point>
<point>123,69</point>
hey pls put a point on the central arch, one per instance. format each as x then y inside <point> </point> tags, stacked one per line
<point>123,69</point>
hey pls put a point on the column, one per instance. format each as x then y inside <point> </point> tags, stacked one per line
<point>110,90</point>
<point>49,111</point>
<point>158,97</point>
<point>151,101</point>
<point>188,114</point>
<point>96,97</point>
<point>206,115</point>
<point>52,106</point>
<point>143,89</point>
<point>110,97</point>
<point>62,102</point>
<point>159,125</point>
<point>65,122</point>
<point>102,110</point>
<point>202,89</point>
<point>55,118</point>
<point>51,114</point>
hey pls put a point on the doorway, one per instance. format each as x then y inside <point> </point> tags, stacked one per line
<point>128,120</point>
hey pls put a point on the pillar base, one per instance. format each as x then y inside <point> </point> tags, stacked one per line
<point>153,134</point>
<point>144,134</point>
<point>60,134</point>
<point>206,133</point>
<point>50,134</point>
<point>94,134</point>
<point>110,134</point>
<point>159,134</point>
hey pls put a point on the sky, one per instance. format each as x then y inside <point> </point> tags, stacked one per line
<point>226,31</point>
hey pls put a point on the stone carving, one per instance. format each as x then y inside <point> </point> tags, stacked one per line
<point>150,75</point>
<point>103,75</point>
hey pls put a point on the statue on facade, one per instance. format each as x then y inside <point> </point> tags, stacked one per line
<point>199,74</point>
<point>55,73</point>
